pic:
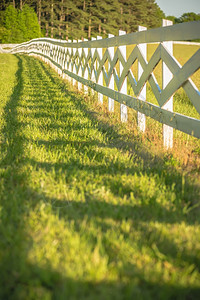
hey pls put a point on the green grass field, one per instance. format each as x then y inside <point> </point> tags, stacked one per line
<point>181,102</point>
<point>182,53</point>
<point>87,211</point>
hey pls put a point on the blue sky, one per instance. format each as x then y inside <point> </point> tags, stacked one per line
<point>178,7</point>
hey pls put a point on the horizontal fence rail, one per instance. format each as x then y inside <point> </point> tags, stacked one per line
<point>103,65</point>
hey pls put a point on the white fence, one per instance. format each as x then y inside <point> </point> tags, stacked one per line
<point>103,65</point>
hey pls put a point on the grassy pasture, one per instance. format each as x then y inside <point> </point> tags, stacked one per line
<point>181,102</point>
<point>88,210</point>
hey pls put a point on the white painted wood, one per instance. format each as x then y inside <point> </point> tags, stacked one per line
<point>42,47</point>
<point>74,64</point>
<point>123,90</point>
<point>142,96</point>
<point>148,75</point>
<point>86,69</point>
<point>63,62</point>
<point>167,77</point>
<point>94,67</point>
<point>187,43</point>
<point>178,32</point>
<point>69,61</point>
<point>111,85</point>
<point>181,75</point>
<point>188,125</point>
<point>57,70</point>
<point>80,67</point>
<point>61,59</point>
<point>100,79</point>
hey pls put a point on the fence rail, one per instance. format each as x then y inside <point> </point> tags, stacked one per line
<point>103,65</point>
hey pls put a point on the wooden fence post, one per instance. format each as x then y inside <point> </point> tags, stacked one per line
<point>111,85</point>
<point>65,76</point>
<point>141,118</point>
<point>86,69</point>
<point>123,90</point>
<point>69,62</point>
<point>63,62</point>
<point>49,54</point>
<point>60,60</point>
<point>93,71</point>
<point>80,69</point>
<point>52,54</point>
<point>100,79</point>
<point>44,52</point>
<point>167,76</point>
<point>55,52</point>
<point>74,66</point>
<point>56,58</point>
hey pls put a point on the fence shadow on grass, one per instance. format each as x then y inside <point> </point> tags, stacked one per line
<point>22,280</point>
<point>153,164</point>
<point>14,196</point>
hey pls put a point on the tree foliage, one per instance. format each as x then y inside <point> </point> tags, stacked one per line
<point>186,17</point>
<point>69,19</point>
<point>19,25</point>
<point>78,19</point>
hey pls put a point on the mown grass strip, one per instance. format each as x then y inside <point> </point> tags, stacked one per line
<point>86,213</point>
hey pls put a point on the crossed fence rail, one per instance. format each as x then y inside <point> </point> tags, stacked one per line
<point>94,64</point>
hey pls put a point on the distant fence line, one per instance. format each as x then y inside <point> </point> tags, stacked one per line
<point>94,64</point>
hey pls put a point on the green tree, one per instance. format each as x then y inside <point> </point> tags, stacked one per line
<point>12,33</point>
<point>188,17</point>
<point>28,23</point>
<point>77,19</point>
<point>19,25</point>
<point>173,19</point>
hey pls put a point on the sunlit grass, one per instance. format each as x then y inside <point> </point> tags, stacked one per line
<point>87,211</point>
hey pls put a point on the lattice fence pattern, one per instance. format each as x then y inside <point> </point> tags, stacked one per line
<point>103,65</point>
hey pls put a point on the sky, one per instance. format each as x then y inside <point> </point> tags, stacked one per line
<point>178,7</point>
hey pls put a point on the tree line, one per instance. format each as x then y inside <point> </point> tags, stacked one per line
<point>22,20</point>
<point>186,17</point>
<point>68,19</point>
